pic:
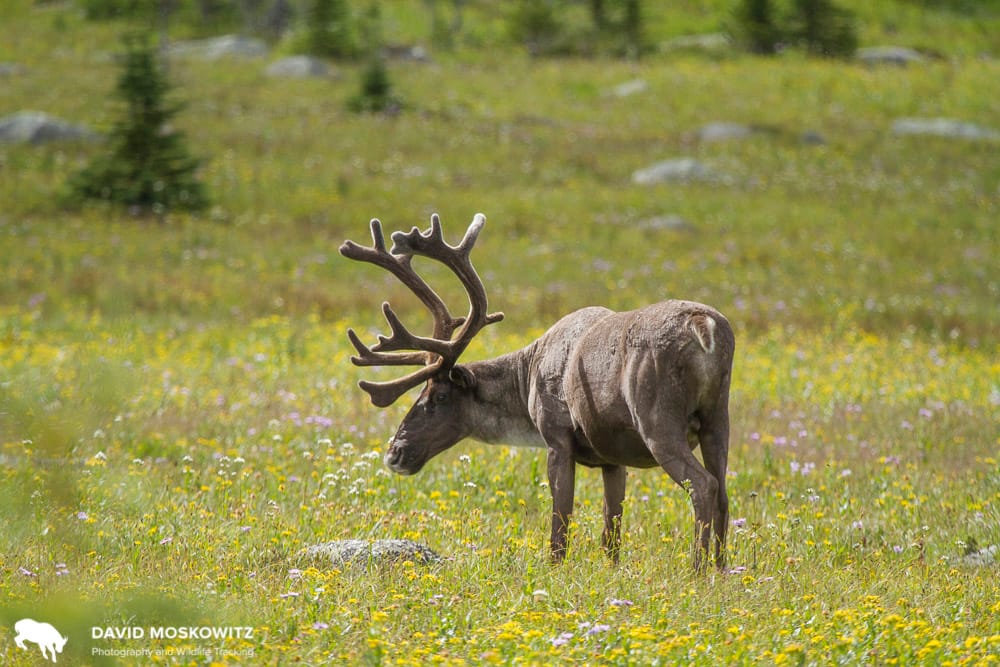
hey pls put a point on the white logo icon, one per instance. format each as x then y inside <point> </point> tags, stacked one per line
<point>43,634</point>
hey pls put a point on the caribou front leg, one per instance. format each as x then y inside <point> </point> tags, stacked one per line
<point>562,478</point>
<point>614,494</point>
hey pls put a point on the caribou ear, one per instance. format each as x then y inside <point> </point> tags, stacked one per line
<point>462,377</point>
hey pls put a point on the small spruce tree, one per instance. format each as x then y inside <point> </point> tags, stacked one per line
<point>330,29</point>
<point>755,28</point>
<point>536,24</point>
<point>376,94</point>
<point>148,166</point>
<point>823,28</point>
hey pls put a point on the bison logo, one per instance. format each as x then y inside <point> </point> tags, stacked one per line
<point>43,634</point>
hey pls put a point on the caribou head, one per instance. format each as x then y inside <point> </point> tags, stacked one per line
<point>441,416</point>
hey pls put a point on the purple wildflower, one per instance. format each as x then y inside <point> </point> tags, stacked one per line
<point>598,628</point>
<point>562,639</point>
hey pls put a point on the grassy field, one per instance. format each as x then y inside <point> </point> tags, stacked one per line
<point>178,416</point>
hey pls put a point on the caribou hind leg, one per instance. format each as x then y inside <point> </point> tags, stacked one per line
<point>666,437</point>
<point>714,438</point>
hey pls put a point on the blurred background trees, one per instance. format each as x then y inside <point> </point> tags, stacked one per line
<point>545,28</point>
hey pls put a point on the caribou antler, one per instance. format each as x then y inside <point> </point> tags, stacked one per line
<point>442,350</point>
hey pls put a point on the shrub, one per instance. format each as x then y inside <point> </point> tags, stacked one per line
<point>148,166</point>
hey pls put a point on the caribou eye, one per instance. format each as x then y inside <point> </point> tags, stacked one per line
<point>441,397</point>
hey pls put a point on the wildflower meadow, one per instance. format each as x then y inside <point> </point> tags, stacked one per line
<point>179,417</point>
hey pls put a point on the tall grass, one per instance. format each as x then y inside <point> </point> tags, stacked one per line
<point>178,415</point>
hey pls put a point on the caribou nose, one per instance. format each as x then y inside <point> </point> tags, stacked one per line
<point>394,457</point>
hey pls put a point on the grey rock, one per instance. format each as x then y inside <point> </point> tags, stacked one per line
<point>889,55</point>
<point>812,138</point>
<point>982,557</point>
<point>630,88</point>
<point>226,46</point>
<point>714,42</point>
<point>35,127</point>
<point>10,69</point>
<point>298,67</point>
<point>944,127</point>
<point>345,552</point>
<point>407,53</point>
<point>724,131</point>
<point>671,222</point>
<point>672,171</point>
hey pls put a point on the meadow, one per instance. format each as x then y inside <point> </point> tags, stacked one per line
<point>179,417</point>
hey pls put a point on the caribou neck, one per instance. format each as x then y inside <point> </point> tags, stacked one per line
<point>501,400</point>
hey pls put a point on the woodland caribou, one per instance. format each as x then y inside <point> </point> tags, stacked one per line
<point>600,388</point>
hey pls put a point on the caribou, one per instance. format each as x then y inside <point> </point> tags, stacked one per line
<point>601,389</point>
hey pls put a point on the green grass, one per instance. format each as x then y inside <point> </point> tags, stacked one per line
<point>178,416</point>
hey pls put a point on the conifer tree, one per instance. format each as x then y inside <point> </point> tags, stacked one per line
<point>330,29</point>
<point>148,166</point>
<point>823,28</point>
<point>755,26</point>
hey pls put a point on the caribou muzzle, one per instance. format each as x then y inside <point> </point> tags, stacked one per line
<point>401,460</point>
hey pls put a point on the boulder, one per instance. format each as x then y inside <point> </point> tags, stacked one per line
<point>346,552</point>
<point>670,222</point>
<point>630,88</point>
<point>226,46</point>
<point>713,42</point>
<point>812,138</point>
<point>724,131</point>
<point>406,53</point>
<point>35,127</point>
<point>10,69</point>
<point>944,127</point>
<point>982,557</point>
<point>900,56</point>
<point>683,169</point>
<point>298,67</point>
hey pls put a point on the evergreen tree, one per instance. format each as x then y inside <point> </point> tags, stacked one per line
<point>823,28</point>
<point>632,27</point>
<point>330,29</point>
<point>376,94</point>
<point>755,28</point>
<point>535,23</point>
<point>148,166</point>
